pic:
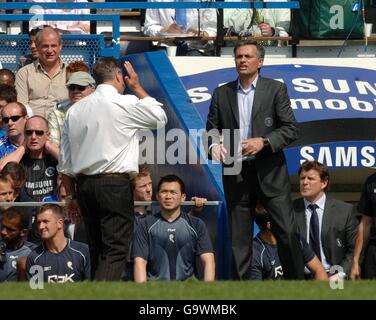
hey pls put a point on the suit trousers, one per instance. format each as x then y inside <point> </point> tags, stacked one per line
<point>241,200</point>
<point>106,203</point>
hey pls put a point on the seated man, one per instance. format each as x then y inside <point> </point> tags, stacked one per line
<point>190,22</point>
<point>327,224</point>
<point>142,187</point>
<point>257,22</point>
<point>265,260</point>
<point>80,85</point>
<point>15,174</point>
<point>73,27</point>
<point>14,224</point>
<point>165,245</point>
<point>7,77</point>
<point>33,55</point>
<point>6,192</point>
<point>67,260</point>
<point>8,94</point>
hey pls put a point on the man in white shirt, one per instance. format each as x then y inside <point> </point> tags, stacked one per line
<point>166,22</point>
<point>328,224</point>
<point>74,27</point>
<point>100,147</point>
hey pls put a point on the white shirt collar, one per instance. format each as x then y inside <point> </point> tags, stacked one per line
<point>320,203</point>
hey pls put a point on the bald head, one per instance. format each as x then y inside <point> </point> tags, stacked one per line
<point>7,77</point>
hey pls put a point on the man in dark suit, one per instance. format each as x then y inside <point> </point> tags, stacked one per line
<point>329,225</point>
<point>255,118</point>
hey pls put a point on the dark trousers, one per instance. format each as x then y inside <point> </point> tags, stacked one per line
<point>241,198</point>
<point>107,208</point>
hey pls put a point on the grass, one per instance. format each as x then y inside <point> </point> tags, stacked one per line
<point>193,290</point>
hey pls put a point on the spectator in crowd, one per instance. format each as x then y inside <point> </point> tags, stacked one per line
<point>33,55</point>
<point>365,244</point>
<point>6,192</point>
<point>327,224</point>
<point>73,27</point>
<point>15,174</point>
<point>8,94</point>
<point>74,231</point>
<point>80,85</point>
<point>67,260</point>
<point>41,85</point>
<point>39,162</point>
<point>142,187</point>
<point>7,77</point>
<point>178,22</point>
<point>257,22</point>
<point>257,115</point>
<point>161,255</point>
<point>103,173</point>
<point>14,117</point>
<point>265,260</point>
<point>75,67</point>
<point>14,223</point>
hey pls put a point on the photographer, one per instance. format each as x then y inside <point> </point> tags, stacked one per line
<point>14,223</point>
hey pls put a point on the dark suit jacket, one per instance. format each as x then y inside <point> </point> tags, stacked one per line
<point>338,230</point>
<point>272,118</point>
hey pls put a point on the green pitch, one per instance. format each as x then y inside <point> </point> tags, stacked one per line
<point>192,290</point>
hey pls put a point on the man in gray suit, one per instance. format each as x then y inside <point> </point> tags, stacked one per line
<point>328,224</point>
<point>254,115</point>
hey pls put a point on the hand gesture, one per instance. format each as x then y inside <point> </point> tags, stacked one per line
<point>266,29</point>
<point>73,211</point>
<point>218,153</point>
<point>252,146</point>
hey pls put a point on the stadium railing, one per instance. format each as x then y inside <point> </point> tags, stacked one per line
<point>94,46</point>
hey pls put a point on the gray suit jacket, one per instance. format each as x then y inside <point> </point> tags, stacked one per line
<point>272,118</point>
<point>338,231</point>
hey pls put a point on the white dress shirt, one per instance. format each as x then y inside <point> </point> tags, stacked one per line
<point>59,24</point>
<point>320,213</point>
<point>156,19</point>
<point>239,19</point>
<point>100,132</point>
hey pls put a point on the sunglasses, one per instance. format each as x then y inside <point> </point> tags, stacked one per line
<point>39,133</point>
<point>73,87</point>
<point>13,118</point>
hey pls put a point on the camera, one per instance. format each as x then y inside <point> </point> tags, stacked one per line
<point>3,255</point>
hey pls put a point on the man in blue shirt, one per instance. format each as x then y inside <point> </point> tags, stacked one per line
<point>265,260</point>
<point>165,245</point>
<point>63,260</point>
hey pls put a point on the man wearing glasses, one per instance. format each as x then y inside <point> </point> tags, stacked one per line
<point>39,163</point>
<point>14,116</point>
<point>13,147</point>
<point>80,85</point>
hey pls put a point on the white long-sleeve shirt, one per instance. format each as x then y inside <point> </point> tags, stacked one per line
<point>156,19</point>
<point>38,21</point>
<point>100,132</point>
<point>239,19</point>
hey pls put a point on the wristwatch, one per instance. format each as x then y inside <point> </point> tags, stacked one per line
<point>71,197</point>
<point>266,141</point>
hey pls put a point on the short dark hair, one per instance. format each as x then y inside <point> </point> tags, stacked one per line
<point>143,171</point>
<point>105,70</point>
<point>171,178</point>
<point>17,212</point>
<point>262,217</point>
<point>7,73</point>
<point>317,166</point>
<point>8,93</point>
<point>15,170</point>
<point>259,47</point>
<point>56,210</point>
